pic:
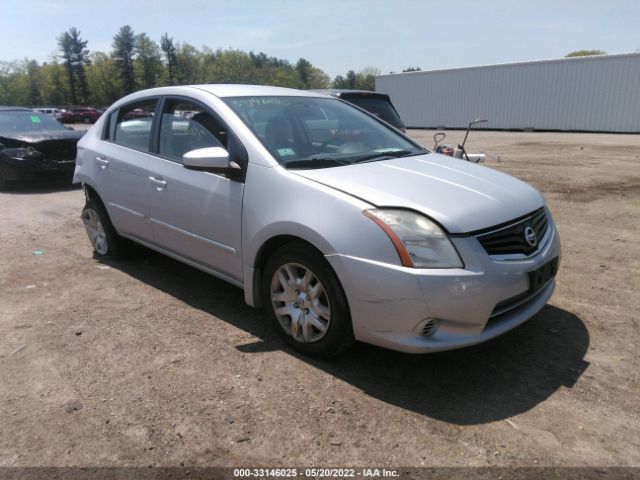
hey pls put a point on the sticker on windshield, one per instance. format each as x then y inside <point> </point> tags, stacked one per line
<point>35,119</point>
<point>286,152</point>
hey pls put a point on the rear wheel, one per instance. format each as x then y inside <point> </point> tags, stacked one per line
<point>86,120</point>
<point>305,302</point>
<point>3,181</point>
<point>103,237</point>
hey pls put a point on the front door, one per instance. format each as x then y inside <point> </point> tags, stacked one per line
<point>193,213</point>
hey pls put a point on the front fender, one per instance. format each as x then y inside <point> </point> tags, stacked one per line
<point>279,202</point>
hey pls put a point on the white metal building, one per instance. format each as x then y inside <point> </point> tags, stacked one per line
<point>599,93</point>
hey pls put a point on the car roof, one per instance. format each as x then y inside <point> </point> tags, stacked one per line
<point>227,90</point>
<point>218,90</point>
<point>15,109</point>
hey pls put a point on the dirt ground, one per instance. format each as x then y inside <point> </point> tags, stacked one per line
<point>150,362</point>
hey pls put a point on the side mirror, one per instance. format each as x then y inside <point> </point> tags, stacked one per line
<point>211,159</point>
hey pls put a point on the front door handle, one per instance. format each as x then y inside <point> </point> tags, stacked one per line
<point>159,183</point>
<point>103,162</point>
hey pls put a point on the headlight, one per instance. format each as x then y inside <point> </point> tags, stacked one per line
<point>419,241</point>
<point>21,153</point>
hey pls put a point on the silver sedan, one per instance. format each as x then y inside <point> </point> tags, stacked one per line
<point>336,223</point>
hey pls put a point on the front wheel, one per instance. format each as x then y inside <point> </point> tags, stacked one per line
<point>305,302</point>
<point>87,120</point>
<point>103,237</point>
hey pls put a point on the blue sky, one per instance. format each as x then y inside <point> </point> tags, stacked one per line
<point>338,35</point>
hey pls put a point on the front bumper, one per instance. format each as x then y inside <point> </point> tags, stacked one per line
<point>17,170</point>
<point>390,305</point>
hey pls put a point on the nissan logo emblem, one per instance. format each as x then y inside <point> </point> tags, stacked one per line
<point>530,236</point>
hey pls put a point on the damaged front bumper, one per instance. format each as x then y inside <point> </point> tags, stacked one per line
<point>15,170</point>
<point>427,310</point>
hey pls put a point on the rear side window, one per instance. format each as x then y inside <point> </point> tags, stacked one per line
<point>131,126</point>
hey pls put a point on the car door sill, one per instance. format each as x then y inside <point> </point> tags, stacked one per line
<point>188,261</point>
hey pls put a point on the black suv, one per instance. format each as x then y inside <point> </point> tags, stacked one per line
<point>379,104</point>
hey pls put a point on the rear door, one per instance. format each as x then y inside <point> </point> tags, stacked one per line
<point>122,169</point>
<point>196,214</point>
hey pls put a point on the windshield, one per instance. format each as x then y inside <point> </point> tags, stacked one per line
<point>308,132</point>
<point>12,122</point>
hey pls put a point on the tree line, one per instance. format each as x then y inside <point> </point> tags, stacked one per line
<point>75,75</point>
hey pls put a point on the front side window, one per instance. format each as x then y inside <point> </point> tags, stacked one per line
<point>133,125</point>
<point>187,126</point>
<point>310,132</point>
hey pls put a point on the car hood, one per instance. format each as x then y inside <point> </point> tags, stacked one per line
<point>461,196</point>
<point>10,138</point>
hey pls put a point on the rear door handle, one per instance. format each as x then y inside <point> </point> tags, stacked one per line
<point>103,162</point>
<point>159,183</point>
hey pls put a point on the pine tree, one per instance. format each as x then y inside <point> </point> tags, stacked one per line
<point>124,48</point>
<point>169,49</point>
<point>76,56</point>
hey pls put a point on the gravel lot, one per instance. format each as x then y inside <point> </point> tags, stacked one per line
<point>150,362</point>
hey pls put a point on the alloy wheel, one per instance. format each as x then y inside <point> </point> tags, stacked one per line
<point>95,230</point>
<point>300,303</point>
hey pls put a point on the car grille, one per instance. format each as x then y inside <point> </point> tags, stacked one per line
<point>510,239</point>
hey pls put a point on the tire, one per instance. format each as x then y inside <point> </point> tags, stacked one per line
<point>299,283</point>
<point>87,120</point>
<point>103,237</point>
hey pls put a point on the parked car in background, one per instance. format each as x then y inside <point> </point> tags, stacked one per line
<point>35,147</point>
<point>339,225</point>
<point>54,112</point>
<point>379,104</point>
<point>79,115</point>
<point>138,113</point>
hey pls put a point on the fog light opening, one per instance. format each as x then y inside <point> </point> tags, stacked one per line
<point>429,328</point>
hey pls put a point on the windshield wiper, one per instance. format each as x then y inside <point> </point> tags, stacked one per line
<point>316,163</point>
<point>388,155</point>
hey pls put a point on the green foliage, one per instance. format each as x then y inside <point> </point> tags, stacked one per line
<point>76,56</point>
<point>169,50</point>
<point>104,81</point>
<point>318,79</point>
<point>365,79</point>
<point>137,62</point>
<point>585,53</point>
<point>14,85</point>
<point>124,50</point>
<point>55,85</point>
<point>35,81</point>
<point>148,64</point>
<point>189,65</point>
<point>303,67</point>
